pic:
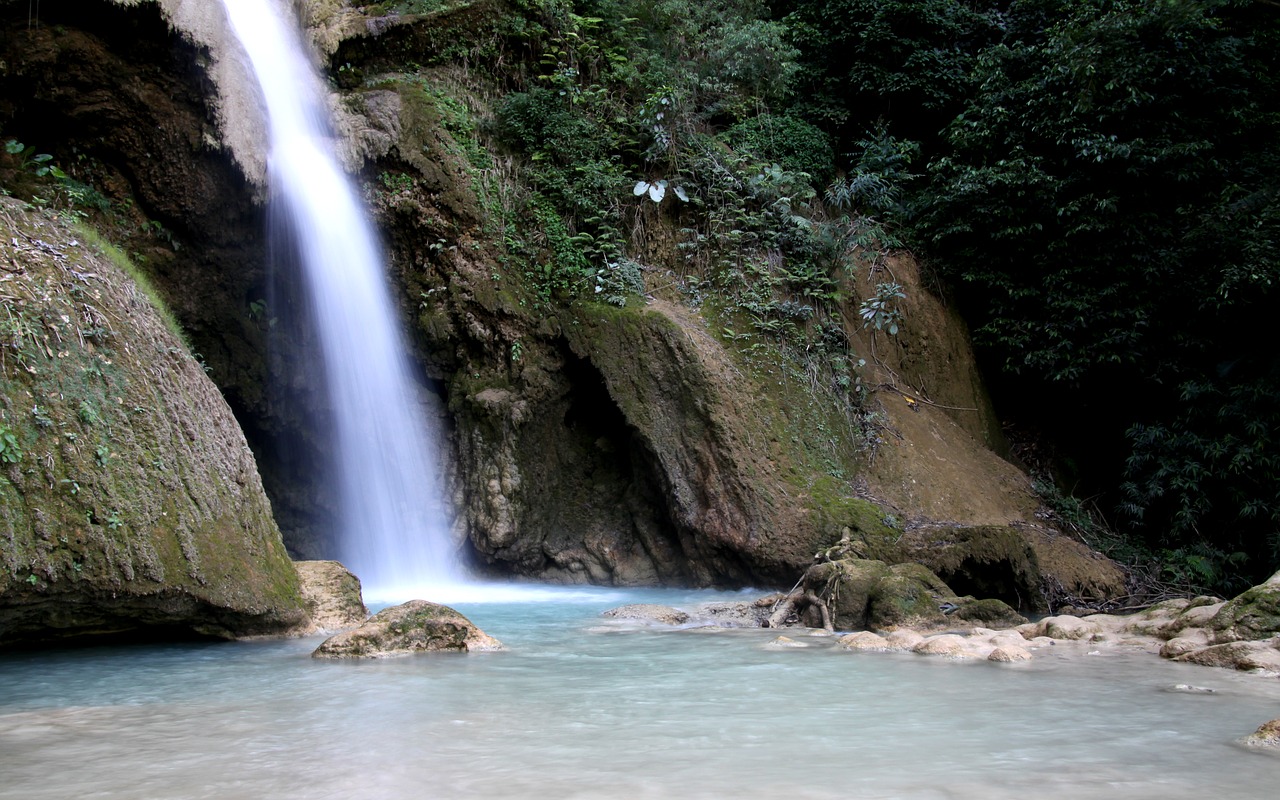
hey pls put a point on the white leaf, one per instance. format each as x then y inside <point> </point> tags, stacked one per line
<point>656,192</point>
<point>680,192</point>
<point>641,188</point>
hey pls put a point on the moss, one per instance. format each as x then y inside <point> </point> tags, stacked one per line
<point>1254,614</point>
<point>139,278</point>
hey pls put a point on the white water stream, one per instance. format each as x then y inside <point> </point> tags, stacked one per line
<point>393,530</point>
<point>580,708</point>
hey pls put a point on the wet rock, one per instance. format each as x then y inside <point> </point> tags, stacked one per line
<point>1195,616</point>
<point>332,595</point>
<point>1180,646</point>
<point>864,640</point>
<point>1008,654</point>
<point>414,627</point>
<point>947,644</point>
<point>1267,735</point>
<point>862,593</point>
<point>904,639</point>
<point>135,507</point>
<point>1254,614</point>
<point>990,611</point>
<point>1007,639</point>
<point>745,614</point>
<point>1232,655</point>
<point>1061,627</point>
<point>648,612</point>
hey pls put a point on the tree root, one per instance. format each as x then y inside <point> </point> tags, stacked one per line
<point>797,603</point>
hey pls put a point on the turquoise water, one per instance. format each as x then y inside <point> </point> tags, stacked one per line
<point>580,707</point>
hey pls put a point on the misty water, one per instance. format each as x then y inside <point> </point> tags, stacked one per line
<point>580,707</point>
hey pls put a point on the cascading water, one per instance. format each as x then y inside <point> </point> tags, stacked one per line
<point>394,536</point>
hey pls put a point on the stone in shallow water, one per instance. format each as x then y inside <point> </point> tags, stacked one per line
<point>863,640</point>
<point>1008,654</point>
<point>414,627</point>
<point>648,612</point>
<point>1268,735</point>
<point>947,644</point>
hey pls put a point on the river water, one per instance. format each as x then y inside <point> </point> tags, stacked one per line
<point>580,707</point>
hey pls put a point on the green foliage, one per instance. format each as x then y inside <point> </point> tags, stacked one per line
<point>10,450</point>
<point>790,142</point>
<point>881,311</point>
<point>905,60</point>
<point>1106,200</point>
<point>879,180</point>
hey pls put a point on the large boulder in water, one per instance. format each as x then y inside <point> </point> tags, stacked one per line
<point>414,627</point>
<point>129,501</point>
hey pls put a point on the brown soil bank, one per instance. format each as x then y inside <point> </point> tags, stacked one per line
<point>129,500</point>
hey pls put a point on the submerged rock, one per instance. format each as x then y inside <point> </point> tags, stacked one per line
<point>332,594</point>
<point>413,627</point>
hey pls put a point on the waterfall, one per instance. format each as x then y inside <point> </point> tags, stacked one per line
<point>393,533</point>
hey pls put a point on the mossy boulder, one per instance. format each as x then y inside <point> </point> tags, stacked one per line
<point>413,627</point>
<point>1254,614</point>
<point>129,501</point>
<point>988,612</point>
<point>862,593</point>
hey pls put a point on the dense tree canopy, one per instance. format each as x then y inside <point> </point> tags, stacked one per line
<point>1104,198</point>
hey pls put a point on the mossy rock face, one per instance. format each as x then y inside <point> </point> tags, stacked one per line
<point>905,599</point>
<point>128,498</point>
<point>1254,614</point>
<point>413,627</point>
<point>1028,568</point>
<point>846,586</point>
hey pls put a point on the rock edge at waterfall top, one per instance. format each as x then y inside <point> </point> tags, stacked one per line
<point>413,627</point>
